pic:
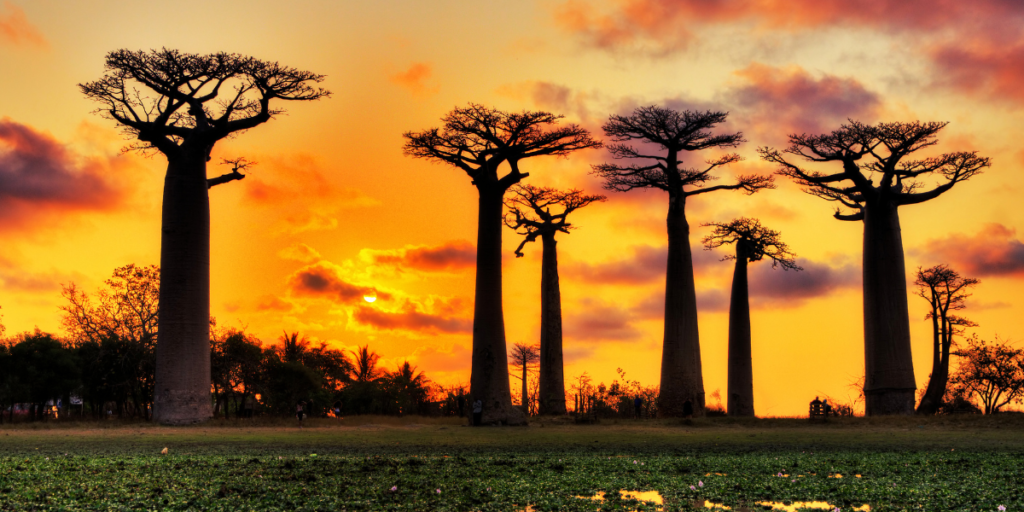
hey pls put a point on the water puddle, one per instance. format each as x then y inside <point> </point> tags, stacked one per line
<point>655,498</point>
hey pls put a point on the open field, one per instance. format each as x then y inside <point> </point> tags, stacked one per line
<point>939,463</point>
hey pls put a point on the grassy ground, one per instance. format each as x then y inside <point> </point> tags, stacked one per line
<point>940,463</point>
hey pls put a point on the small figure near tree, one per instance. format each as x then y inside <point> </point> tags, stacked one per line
<point>946,291</point>
<point>666,136</point>
<point>523,357</point>
<point>188,103</point>
<point>530,215</point>
<point>480,140</point>
<point>876,177</point>
<point>753,242</point>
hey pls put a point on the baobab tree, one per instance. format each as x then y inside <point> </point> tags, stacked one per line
<point>877,176</point>
<point>946,291</point>
<point>480,140</point>
<point>667,134</point>
<point>181,105</point>
<point>530,215</point>
<point>523,357</point>
<point>753,242</point>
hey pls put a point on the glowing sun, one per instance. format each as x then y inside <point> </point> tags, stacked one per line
<point>369,298</point>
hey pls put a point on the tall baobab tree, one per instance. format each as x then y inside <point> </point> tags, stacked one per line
<point>877,176</point>
<point>524,356</point>
<point>946,291</point>
<point>530,215</point>
<point>181,105</point>
<point>667,134</point>
<point>753,242</point>
<point>480,140</point>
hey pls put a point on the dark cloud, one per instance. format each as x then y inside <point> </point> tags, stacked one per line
<point>40,177</point>
<point>815,280</point>
<point>594,320</point>
<point>992,251</point>
<point>450,256</point>
<point>324,280</point>
<point>984,67</point>
<point>646,265</point>
<point>776,102</point>
<point>409,318</point>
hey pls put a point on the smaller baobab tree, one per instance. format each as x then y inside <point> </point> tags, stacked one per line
<point>655,141</point>
<point>754,242</point>
<point>480,141</point>
<point>524,356</point>
<point>946,291</point>
<point>873,176</point>
<point>530,215</point>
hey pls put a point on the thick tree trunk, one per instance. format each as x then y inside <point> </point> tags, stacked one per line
<point>741,372</point>
<point>489,375</point>
<point>681,376</point>
<point>182,390</point>
<point>552,381</point>
<point>889,368</point>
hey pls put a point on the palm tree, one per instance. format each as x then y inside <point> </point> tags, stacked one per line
<point>293,348</point>
<point>366,364</point>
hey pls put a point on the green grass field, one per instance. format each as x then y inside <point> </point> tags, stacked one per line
<point>377,463</point>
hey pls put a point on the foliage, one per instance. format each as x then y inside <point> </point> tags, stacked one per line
<point>615,400</point>
<point>990,372</point>
<point>511,479</point>
<point>753,242</point>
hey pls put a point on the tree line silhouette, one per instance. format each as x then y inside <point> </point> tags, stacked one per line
<point>193,101</point>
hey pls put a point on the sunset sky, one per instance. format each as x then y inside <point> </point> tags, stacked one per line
<point>333,196</point>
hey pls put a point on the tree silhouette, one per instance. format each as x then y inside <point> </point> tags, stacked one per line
<point>753,242</point>
<point>991,371</point>
<point>529,214</point>
<point>876,178</point>
<point>671,133</point>
<point>366,364</point>
<point>523,356</point>
<point>945,290</point>
<point>479,140</point>
<point>293,347</point>
<point>187,104</point>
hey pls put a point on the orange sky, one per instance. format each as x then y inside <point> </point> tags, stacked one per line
<point>334,197</point>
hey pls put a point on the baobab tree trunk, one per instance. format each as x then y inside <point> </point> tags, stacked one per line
<point>525,396</point>
<point>741,373</point>
<point>182,391</point>
<point>681,376</point>
<point>552,383</point>
<point>942,339</point>
<point>489,375</point>
<point>889,369</point>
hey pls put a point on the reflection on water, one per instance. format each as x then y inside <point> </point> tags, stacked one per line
<point>655,498</point>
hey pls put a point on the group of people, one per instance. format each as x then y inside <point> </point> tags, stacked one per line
<point>821,405</point>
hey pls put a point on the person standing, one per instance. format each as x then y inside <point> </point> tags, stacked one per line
<point>478,412</point>
<point>300,412</point>
<point>638,404</point>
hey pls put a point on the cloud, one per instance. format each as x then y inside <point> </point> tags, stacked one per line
<point>415,79</point>
<point>451,256</point>
<point>300,252</point>
<point>982,67</point>
<point>40,178</point>
<point>298,188</point>
<point>440,317</point>
<point>992,251</point>
<point>781,101</point>
<point>591,319</point>
<point>550,97</point>
<point>273,303</point>
<point>458,358</point>
<point>14,279</point>
<point>647,264</point>
<point>646,26</point>
<point>16,30</point>
<point>783,288</point>
<point>324,280</point>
